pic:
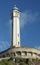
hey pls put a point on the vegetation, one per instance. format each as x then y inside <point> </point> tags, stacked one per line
<point>20,61</point>
<point>5,62</point>
<point>23,63</point>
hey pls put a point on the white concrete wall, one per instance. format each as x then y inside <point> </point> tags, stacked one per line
<point>16,28</point>
<point>29,54</point>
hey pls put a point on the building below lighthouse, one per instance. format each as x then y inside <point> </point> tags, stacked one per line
<point>15,50</point>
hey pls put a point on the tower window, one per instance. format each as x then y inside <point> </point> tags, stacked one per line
<point>18,43</point>
<point>18,35</point>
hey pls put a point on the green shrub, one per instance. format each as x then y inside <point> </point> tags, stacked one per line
<point>5,62</point>
<point>23,63</point>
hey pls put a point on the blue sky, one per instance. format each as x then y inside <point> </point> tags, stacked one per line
<point>30,22</point>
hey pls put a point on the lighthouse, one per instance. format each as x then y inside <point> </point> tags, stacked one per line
<point>15,27</point>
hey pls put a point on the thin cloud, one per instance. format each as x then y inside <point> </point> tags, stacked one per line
<point>3,45</point>
<point>28,17</point>
<point>37,47</point>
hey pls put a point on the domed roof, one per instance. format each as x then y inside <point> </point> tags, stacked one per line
<point>15,8</point>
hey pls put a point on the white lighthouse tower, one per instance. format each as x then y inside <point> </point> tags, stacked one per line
<point>15,27</point>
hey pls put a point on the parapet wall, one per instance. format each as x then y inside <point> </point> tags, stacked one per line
<point>22,52</point>
<point>26,52</point>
